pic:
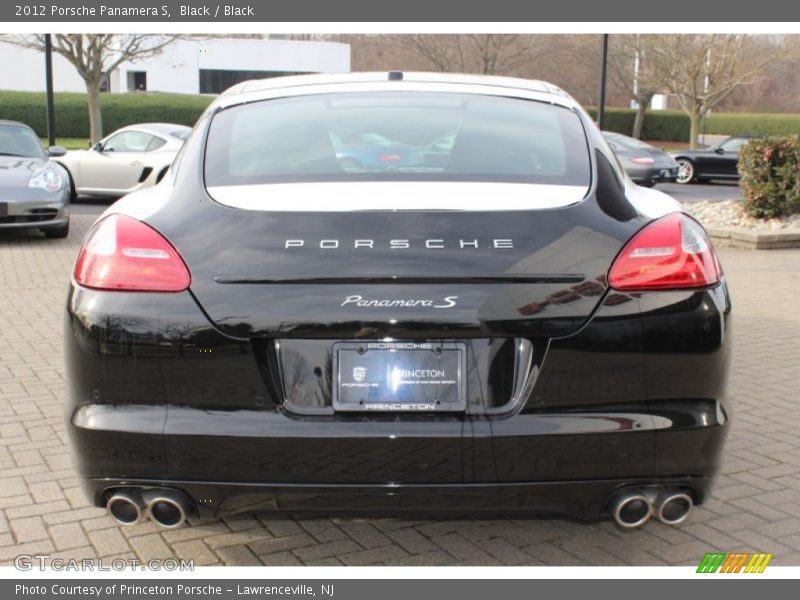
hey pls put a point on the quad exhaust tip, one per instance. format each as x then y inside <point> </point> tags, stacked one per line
<point>675,508</point>
<point>168,508</point>
<point>631,509</point>
<point>126,506</point>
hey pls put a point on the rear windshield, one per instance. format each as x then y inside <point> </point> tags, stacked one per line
<point>407,136</point>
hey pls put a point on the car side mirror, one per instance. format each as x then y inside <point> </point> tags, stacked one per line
<point>98,147</point>
<point>56,151</point>
<point>719,150</point>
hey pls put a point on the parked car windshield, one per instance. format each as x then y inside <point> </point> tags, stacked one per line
<point>396,136</point>
<point>17,140</point>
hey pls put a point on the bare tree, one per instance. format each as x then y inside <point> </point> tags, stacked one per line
<point>96,55</point>
<point>702,70</point>
<point>632,66</point>
<point>487,53</point>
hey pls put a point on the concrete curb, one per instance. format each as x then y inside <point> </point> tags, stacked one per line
<point>755,240</point>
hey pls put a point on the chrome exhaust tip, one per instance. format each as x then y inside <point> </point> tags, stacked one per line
<point>126,506</point>
<point>169,508</point>
<point>674,509</point>
<point>631,509</point>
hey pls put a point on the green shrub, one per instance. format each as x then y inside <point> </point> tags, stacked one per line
<point>659,125</point>
<point>758,123</point>
<point>119,110</point>
<point>769,170</point>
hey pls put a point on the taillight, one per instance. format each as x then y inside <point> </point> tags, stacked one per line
<point>124,254</point>
<point>672,252</point>
<point>645,160</point>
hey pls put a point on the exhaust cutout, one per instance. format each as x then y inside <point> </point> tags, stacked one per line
<point>169,508</point>
<point>126,506</point>
<point>675,508</point>
<point>631,509</point>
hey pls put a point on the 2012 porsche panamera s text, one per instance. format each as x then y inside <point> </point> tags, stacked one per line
<point>512,325</point>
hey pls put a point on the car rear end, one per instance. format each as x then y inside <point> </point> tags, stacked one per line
<point>515,328</point>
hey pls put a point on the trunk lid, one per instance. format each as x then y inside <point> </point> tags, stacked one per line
<point>406,273</point>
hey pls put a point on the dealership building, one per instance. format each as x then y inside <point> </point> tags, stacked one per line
<point>201,66</point>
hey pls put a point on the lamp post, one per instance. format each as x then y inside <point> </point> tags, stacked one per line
<point>601,109</point>
<point>48,69</point>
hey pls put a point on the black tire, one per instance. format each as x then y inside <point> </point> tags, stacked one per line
<point>687,171</point>
<point>73,194</point>
<point>56,233</point>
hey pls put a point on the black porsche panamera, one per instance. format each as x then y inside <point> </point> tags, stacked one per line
<point>508,325</point>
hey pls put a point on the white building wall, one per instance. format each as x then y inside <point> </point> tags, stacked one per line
<point>176,70</point>
<point>23,71</point>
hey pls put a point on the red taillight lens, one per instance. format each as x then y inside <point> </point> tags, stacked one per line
<point>645,160</point>
<point>124,254</point>
<point>672,252</point>
<point>389,157</point>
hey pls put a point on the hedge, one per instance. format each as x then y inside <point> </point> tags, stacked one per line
<point>758,123</point>
<point>659,125</point>
<point>119,110</point>
<point>770,182</point>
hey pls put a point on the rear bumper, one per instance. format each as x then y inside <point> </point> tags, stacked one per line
<point>246,460</point>
<point>159,397</point>
<point>585,500</point>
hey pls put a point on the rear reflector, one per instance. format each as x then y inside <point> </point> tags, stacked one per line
<point>672,252</point>
<point>646,160</point>
<point>124,254</point>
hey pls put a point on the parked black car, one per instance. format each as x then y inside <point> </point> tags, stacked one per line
<point>717,162</point>
<point>645,164</point>
<point>515,326</point>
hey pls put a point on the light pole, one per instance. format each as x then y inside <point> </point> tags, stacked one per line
<point>601,109</point>
<point>48,70</point>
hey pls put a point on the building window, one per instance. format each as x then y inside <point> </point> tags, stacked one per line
<point>137,81</point>
<point>216,81</point>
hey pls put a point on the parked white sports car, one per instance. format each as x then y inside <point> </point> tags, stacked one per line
<point>131,158</point>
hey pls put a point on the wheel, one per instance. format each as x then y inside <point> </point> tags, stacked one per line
<point>686,171</point>
<point>57,233</point>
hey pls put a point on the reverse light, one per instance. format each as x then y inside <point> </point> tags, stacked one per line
<point>672,252</point>
<point>124,254</point>
<point>645,160</point>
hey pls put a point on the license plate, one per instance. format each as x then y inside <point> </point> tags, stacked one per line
<point>399,376</point>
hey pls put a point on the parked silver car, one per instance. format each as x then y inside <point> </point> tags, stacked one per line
<point>34,191</point>
<point>129,159</point>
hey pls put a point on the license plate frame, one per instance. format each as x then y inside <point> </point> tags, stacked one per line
<point>399,377</point>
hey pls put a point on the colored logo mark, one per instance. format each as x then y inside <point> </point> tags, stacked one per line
<point>736,562</point>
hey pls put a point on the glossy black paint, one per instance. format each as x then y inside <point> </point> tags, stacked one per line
<point>717,162</point>
<point>573,390</point>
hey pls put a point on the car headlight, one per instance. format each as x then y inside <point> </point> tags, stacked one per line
<point>48,179</point>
